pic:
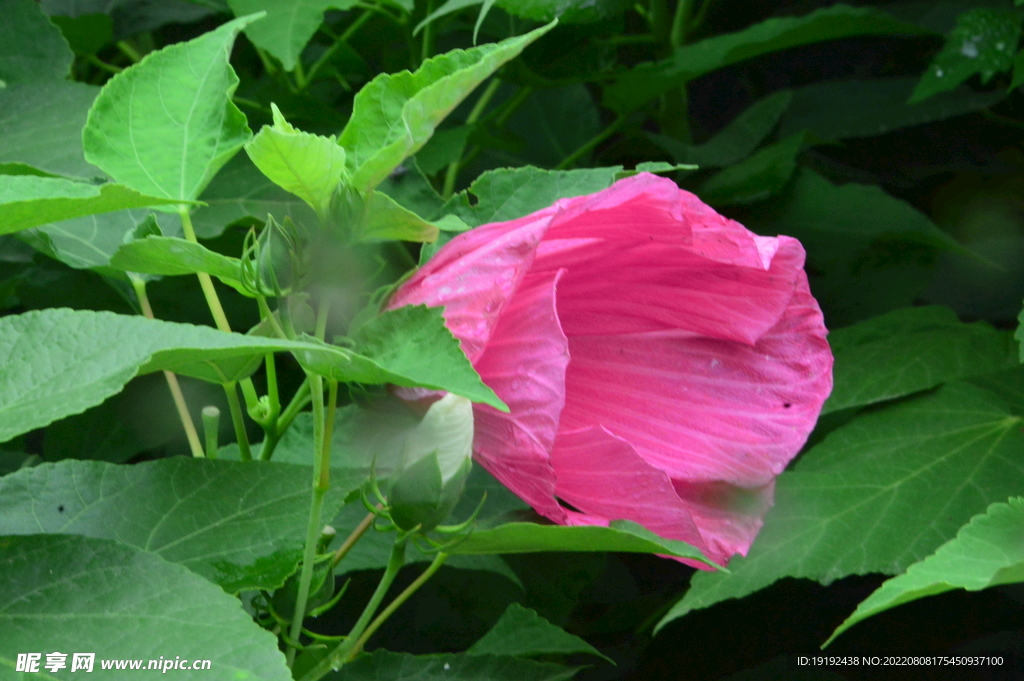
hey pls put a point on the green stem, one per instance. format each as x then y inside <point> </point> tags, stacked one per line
<point>129,51</point>
<point>102,65</point>
<point>680,22</point>
<point>698,20</point>
<point>658,20</point>
<point>211,424</point>
<point>338,42</point>
<point>575,156</point>
<point>427,47</point>
<point>205,282</point>
<point>352,538</point>
<point>244,453</point>
<point>395,604</point>
<point>341,651</point>
<point>313,527</point>
<point>268,65</point>
<point>172,381</point>
<point>300,76</point>
<point>474,115</point>
<point>299,400</point>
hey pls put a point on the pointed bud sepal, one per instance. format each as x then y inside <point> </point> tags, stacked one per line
<point>419,495</point>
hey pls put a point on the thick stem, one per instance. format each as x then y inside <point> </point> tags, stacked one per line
<point>211,424</point>
<point>244,453</point>
<point>395,604</point>
<point>180,405</point>
<point>205,282</point>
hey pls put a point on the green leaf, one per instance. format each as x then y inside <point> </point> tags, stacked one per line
<point>31,48</point>
<point>241,526</point>
<point>1019,334</point>
<point>119,589</point>
<point>87,33</point>
<point>737,140</point>
<point>170,256</point>
<point>908,350</point>
<point>29,201</point>
<point>756,178</point>
<point>984,41</point>
<point>645,82</point>
<point>170,141</point>
<point>382,664</point>
<point>288,26</point>
<point>986,552</point>
<point>376,217</point>
<point>60,362</point>
<point>241,191</point>
<point>408,346</point>
<point>309,166</point>
<point>879,494</point>
<point>620,535</point>
<point>41,125</point>
<point>523,633</point>
<point>395,114</point>
<point>843,109</point>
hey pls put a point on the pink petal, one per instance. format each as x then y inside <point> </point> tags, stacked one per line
<point>619,287</point>
<point>702,409</point>
<point>603,476</point>
<point>474,275</point>
<point>729,517</point>
<point>524,363</point>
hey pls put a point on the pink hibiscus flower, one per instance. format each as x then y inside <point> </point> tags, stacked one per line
<point>662,363</point>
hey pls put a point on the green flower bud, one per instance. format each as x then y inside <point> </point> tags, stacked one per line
<point>437,456</point>
<point>272,264</point>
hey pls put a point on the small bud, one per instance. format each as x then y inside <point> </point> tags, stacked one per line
<point>436,459</point>
<point>272,263</point>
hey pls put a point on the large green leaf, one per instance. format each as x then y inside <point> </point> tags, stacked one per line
<point>29,201</point>
<point>289,24</point>
<point>382,664</point>
<point>170,256</point>
<point>984,41</point>
<point>522,632</point>
<point>879,494</point>
<point>60,362</point>
<point>620,535</point>
<point>31,47</point>
<point>41,125</point>
<point>735,141</point>
<point>841,109</point>
<point>100,596</point>
<point>309,166</point>
<point>166,125</point>
<point>241,191</point>
<point>395,114</point>
<point>908,350</point>
<point>986,552</point>
<point>410,346</point>
<point>241,526</point>
<point>755,178</point>
<point>640,85</point>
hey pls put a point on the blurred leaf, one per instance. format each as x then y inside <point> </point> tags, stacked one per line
<point>382,664</point>
<point>523,633</point>
<point>909,350</point>
<point>239,525</point>
<point>841,109</point>
<point>755,178</point>
<point>643,83</point>
<point>86,33</point>
<point>878,494</point>
<point>241,191</point>
<point>132,17</point>
<point>986,552</point>
<point>172,141</point>
<point>117,589</point>
<point>984,41</point>
<point>620,535</point>
<point>568,11</point>
<point>41,125</point>
<point>29,201</point>
<point>31,47</point>
<point>309,166</point>
<point>288,26</point>
<point>171,256</point>
<point>1019,335</point>
<point>737,140</point>
<point>395,114</point>
<point>1018,71</point>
